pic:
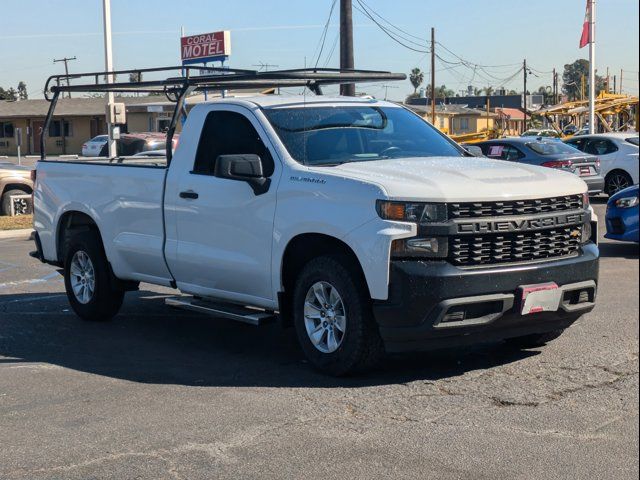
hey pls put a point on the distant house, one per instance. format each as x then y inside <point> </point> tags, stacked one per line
<point>476,101</point>
<point>510,121</point>
<point>457,119</point>
<point>75,121</point>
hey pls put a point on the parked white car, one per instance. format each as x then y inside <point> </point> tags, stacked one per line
<point>93,147</point>
<point>618,154</point>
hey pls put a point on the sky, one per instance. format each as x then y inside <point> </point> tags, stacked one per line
<point>495,34</point>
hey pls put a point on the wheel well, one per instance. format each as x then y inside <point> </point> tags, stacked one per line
<point>300,250</point>
<point>70,223</point>
<point>17,186</point>
<point>615,170</point>
<point>619,170</point>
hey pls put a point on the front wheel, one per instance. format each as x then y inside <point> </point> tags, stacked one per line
<point>333,317</point>
<point>616,181</point>
<point>87,279</point>
<point>5,202</point>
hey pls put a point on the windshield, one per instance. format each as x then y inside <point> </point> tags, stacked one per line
<point>551,148</point>
<point>335,135</point>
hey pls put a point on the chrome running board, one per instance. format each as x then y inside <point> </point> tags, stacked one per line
<point>230,311</point>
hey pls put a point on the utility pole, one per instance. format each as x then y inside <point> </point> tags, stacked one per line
<point>386,89</point>
<point>524,95</point>
<point>553,87</point>
<point>265,66</point>
<point>433,76</point>
<point>608,88</point>
<point>615,86</point>
<point>346,45</point>
<point>620,81</point>
<point>66,61</point>
<point>108,65</point>
<point>592,67</point>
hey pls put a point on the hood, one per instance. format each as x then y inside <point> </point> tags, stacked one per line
<point>460,179</point>
<point>7,168</point>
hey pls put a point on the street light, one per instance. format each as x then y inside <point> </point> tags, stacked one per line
<point>108,64</point>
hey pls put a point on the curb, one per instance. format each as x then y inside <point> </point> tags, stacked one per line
<point>25,233</point>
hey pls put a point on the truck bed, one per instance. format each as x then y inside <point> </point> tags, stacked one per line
<point>126,202</point>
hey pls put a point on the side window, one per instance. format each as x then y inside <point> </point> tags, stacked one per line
<point>229,133</point>
<point>495,151</point>
<point>600,147</point>
<point>511,153</point>
<point>503,152</point>
<point>580,144</point>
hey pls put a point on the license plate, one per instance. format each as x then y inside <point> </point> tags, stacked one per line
<point>542,297</point>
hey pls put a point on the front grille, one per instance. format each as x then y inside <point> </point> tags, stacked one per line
<point>513,247</point>
<point>518,207</point>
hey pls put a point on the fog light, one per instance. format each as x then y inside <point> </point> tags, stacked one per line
<point>429,245</point>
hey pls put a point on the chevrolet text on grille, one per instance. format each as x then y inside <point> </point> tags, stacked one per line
<point>520,225</point>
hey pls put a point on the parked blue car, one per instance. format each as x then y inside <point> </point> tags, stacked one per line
<point>622,215</point>
<point>547,152</point>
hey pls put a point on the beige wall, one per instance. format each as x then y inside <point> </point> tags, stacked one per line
<point>10,148</point>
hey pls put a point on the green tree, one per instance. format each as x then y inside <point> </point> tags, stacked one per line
<point>22,91</point>
<point>572,79</point>
<point>488,91</point>
<point>547,94</point>
<point>416,78</point>
<point>9,94</point>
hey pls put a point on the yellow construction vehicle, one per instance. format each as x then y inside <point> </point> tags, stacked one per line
<point>615,112</point>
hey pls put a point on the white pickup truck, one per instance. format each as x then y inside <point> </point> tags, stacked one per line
<point>352,219</point>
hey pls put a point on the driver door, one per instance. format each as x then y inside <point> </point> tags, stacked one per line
<point>223,230</point>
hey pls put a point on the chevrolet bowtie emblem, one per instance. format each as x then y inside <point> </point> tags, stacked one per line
<point>575,233</point>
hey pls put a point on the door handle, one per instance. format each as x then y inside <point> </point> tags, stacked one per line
<point>189,194</point>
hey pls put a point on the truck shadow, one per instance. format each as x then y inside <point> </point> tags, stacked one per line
<point>151,343</point>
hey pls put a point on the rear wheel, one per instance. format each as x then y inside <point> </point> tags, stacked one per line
<point>616,181</point>
<point>333,318</point>
<point>534,340</point>
<point>87,279</point>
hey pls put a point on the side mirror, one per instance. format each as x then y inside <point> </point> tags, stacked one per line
<point>244,168</point>
<point>474,150</point>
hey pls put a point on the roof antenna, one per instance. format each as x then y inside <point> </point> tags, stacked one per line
<point>304,118</point>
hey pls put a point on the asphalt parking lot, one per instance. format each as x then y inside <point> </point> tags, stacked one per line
<point>161,394</point>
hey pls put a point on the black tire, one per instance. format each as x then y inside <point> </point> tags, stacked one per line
<point>534,340</point>
<point>6,200</point>
<point>106,300</point>
<point>361,347</point>
<point>615,181</point>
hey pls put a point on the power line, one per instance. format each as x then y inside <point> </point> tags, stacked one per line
<point>323,37</point>
<point>391,35</point>
<point>364,4</point>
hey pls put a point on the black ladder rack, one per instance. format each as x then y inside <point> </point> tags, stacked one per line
<point>181,81</point>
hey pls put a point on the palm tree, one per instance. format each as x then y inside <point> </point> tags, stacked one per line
<point>416,78</point>
<point>488,91</point>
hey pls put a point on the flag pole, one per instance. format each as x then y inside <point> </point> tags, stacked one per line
<point>592,66</point>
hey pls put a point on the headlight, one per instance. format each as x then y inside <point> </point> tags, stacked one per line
<point>430,247</point>
<point>627,202</point>
<point>420,213</point>
<point>586,233</point>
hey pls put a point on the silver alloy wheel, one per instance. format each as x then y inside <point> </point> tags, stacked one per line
<point>83,279</point>
<point>325,317</point>
<point>617,182</point>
